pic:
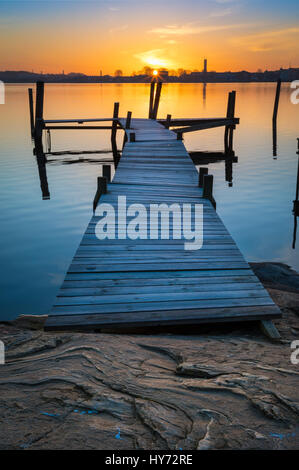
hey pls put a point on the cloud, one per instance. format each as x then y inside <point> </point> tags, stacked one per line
<point>154,58</point>
<point>193,28</point>
<point>283,39</point>
<point>221,13</point>
<point>119,28</point>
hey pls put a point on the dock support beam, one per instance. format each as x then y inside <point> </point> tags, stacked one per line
<point>168,121</point>
<point>155,94</point>
<point>202,172</point>
<point>274,117</point>
<point>39,110</point>
<point>269,329</point>
<point>276,102</point>
<point>31,112</point>
<point>107,172</point>
<point>151,101</point>
<point>207,192</point>
<point>113,134</point>
<point>157,99</point>
<point>229,130</point>
<point>102,189</point>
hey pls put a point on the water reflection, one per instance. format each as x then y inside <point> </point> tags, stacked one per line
<point>41,161</point>
<point>206,158</point>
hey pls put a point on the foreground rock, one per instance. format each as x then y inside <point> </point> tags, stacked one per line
<point>224,387</point>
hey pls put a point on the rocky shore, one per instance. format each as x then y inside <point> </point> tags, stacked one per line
<point>205,387</point>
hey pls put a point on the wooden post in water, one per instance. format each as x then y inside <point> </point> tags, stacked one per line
<point>202,172</point>
<point>276,102</point>
<point>113,134</point>
<point>128,120</point>
<point>30,96</point>
<point>208,189</point>
<point>127,126</point>
<point>114,123</point>
<point>132,137</point>
<point>157,99</point>
<point>168,121</point>
<point>102,189</point>
<point>39,110</point>
<point>107,172</point>
<point>151,101</point>
<point>229,130</point>
<point>274,117</point>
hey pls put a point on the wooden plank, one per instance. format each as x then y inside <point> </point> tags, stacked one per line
<point>154,318</point>
<point>112,308</point>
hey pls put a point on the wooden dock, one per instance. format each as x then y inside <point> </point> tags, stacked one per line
<point>131,283</point>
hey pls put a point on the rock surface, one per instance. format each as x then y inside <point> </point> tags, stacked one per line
<point>208,387</point>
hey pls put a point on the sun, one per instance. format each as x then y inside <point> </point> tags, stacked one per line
<point>155,72</point>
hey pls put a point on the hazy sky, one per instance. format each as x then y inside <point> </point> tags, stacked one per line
<point>89,36</point>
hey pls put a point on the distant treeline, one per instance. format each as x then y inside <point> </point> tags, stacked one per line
<point>286,75</point>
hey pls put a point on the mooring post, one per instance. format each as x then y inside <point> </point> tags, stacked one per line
<point>39,110</point>
<point>30,96</point>
<point>107,172</point>
<point>151,101</point>
<point>168,121</point>
<point>207,192</point>
<point>102,189</point>
<point>202,172</point>
<point>132,137</point>
<point>179,136</point>
<point>114,122</point>
<point>128,120</point>
<point>229,130</point>
<point>157,99</point>
<point>207,186</point>
<point>276,102</point>
<point>113,134</point>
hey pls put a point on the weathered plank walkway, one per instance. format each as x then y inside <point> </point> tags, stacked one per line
<point>123,282</point>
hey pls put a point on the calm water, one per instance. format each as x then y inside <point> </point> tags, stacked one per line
<point>39,237</point>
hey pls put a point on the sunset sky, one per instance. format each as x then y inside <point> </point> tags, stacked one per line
<point>89,36</point>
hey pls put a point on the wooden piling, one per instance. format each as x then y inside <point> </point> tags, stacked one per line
<point>151,101</point>
<point>114,123</point>
<point>208,189</point>
<point>39,110</point>
<point>31,111</point>
<point>276,102</point>
<point>179,136</point>
<point>102,189</point>
<point>113,134</point>
<point>132,137</point>
<point>157,99</point>
<point>107,172</point>
<point>229,130</point>
<point>168,121</point>
<point>202,172</point>
<point>128,120</point>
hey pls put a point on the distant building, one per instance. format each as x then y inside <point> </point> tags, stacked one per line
<point>205,65</point>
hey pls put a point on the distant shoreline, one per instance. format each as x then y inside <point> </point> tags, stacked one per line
<point>268,76</point>
<point>69,82</point>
